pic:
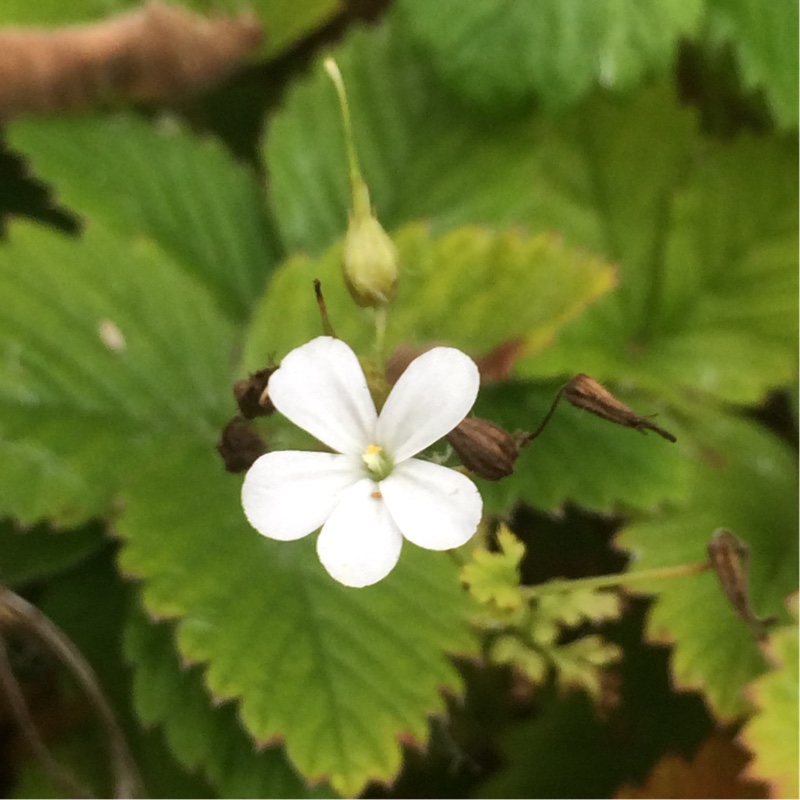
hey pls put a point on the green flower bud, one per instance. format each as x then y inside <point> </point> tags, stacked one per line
<point>369,262</point>
<point>370,258</point>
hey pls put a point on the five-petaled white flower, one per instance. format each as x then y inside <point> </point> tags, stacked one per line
<point>370,493</point>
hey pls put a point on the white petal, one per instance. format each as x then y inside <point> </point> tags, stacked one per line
<point>288,494</point>
<point>321,387</point>
<point>360,544</point>
<point>434,507</point>
<point>432,396</point>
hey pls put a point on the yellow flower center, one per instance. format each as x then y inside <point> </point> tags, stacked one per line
<point>377,461</point>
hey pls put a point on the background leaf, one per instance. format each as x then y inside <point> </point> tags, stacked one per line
<point>536,284</point>
<point>38,553</point>
<point>713,772</point>
<point>79,409</point>
<point>743,480</point>
<point>706,245</point>
<point>772,733</point>
<point>199,734</point>
<point>762,35</point>
<point>158,182</point>
<point>497,54</point>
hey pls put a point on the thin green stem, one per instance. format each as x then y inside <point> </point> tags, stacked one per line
<point>619,579</point>
<point>361,205</point>
<point>380,336</point>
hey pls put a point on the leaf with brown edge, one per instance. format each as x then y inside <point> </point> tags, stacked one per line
<point>743,479</point>
<point>339,675</point>
<point>473,287</point>
<point>714,771</point>
<point>772,733</point>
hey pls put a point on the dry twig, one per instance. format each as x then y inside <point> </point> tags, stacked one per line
<point>155,52</point>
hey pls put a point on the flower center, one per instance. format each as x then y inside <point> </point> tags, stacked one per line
<point>378,462</point>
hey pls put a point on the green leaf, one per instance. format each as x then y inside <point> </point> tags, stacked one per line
<point>340,674</point>
<point>704,231</point>
<point>763,36</point>
<point>284,22</point>
<point>580,457</point>
<point>563,751</point>
<point>157,181</point>
<point>716,312</point>
<point>743,480</point>
<point>199,734</point>
<point>472,288</point>
<point>498,54</point>
<point>577,663</point>
<point>494,577</point>
<point>513,651</point>
<point>34,554</point>
<point>573,606</point>
<point>107,346</point>
<point>78,755</point>
<point>772,733</point>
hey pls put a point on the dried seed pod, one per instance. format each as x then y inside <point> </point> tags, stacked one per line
<point>730,559</point>
<point>251,394</point>
<point>484,448</point>
<point>239,445</point>
<point>585,392</point>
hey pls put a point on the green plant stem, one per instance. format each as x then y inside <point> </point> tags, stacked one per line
<point>619,579</point>
<point>380,337</point>
<point>361,204</point>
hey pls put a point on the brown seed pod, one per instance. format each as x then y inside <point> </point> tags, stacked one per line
<point>585,392</point>
<point>729,557</point>
<point>484,448</point>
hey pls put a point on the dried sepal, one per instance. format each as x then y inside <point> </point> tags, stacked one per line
<point>252,396</point>
<point>239,445</point>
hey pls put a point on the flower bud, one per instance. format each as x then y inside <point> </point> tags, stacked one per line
<point>370,259</point>
<point>369,262</point>
<point>484,448</point>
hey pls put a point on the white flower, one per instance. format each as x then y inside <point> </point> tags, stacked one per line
<point>370,493</point>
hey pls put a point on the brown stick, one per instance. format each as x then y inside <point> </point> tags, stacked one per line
<point>152,53</point>
<point>14,608</point>
<point>61,777</point>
